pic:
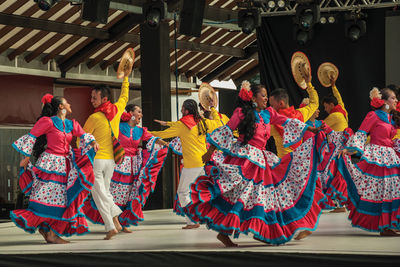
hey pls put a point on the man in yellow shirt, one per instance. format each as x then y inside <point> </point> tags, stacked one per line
<point>192,130</point>
<point>338,117</point>
<point>279,100</point>
<point>106,115</point>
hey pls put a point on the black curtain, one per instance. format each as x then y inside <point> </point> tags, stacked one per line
<point>361,64</point>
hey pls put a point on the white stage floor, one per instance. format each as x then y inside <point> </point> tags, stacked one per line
<point>161,231</point>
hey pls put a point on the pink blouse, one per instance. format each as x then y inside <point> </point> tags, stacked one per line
<point>130,137</point>
<point>262,131</point>
<point>58,133</point>
<point>380,128</point>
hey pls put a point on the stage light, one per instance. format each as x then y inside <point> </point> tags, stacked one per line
<point>356,29</point>
<point>331,19</point>
<point>154,12</point>
<point>355,25</point>
<point>322,20</point>
<point>301,36</point>
<point>249,19</point>
<point>307,15</point>
<point>271,4</point>
<point>45,4</point>
<point>281,4</point>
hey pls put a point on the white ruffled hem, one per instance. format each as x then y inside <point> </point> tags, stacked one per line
<point>25,144</point>
<point>381,156</point>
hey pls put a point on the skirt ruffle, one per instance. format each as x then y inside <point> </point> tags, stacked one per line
<point>130,193</point>
<point>270,203</point>
<point>48,207</point>
<point>373,194</point>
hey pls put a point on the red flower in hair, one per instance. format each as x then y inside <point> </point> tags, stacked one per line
<point>398,107</point>
<point>245,94</point>
<point>126,116</point>
<point>377,102</point>
<point>47,98</point>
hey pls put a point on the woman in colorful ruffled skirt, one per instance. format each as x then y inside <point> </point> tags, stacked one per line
<point>335,190</point>
<point>62,178</point>
<point>136,176</point>
<point>374,182</point>
<point>253,190</point>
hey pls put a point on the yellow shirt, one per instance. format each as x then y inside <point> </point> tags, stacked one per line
<point>97,125</point>
<point>306,111</point>
<point>336,120</point>
<point>193,144</point>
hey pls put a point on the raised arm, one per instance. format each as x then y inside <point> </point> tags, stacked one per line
<point>310,109</point>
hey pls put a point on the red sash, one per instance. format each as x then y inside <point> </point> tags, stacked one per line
<point>338,108</point>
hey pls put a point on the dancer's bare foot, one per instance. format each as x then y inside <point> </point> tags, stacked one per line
<point>226,240</point>
<point>55,239</point>
<point>388,232</point>
<point>303,234</point>
<point>126,230</point>
<point>191,226</point>
<point>258,239</point>
<point>110,234</point>
<point>338,210</point>
<point>117,224</point>
<point>44,234</point>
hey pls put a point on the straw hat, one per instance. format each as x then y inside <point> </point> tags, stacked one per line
<point>126,64</point>
<point>207,96</point>
<point>300,65</point>
<point>325,72</point>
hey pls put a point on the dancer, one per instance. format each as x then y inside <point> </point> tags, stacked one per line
<point>191,129</point>
<point>374,182</point>
<point>335,190</point>
<point>337,119</point>
<point>104,123</point>
<point>253,190</point>
<point>136,176</point>
<point>61,179</point>
<point>279,100</point>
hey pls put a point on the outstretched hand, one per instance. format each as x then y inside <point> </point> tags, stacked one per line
<point>306,73</point>
<point>332,80</point>
<point>163,123</point>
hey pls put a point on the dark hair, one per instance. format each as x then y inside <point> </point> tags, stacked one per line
<point>104,91</point>
<point>191,106</point>
<point>395,114</point>
<point>247,125</point>
<point>48,110</point>
<point>280,94</point>
<point>131,107</point>
<point>330,99</point>
<point>206,113</point>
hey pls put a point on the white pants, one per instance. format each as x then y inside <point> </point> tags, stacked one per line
<point>188,176</point>
<point>103,171</point>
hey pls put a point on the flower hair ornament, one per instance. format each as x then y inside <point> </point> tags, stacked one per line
<point>304,102</point>
<point>47,99</point>
<point>245,93</point>
<point>126,116</point>
<point>376,98</point>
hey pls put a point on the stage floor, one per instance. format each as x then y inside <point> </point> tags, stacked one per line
<point>161,231</point>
